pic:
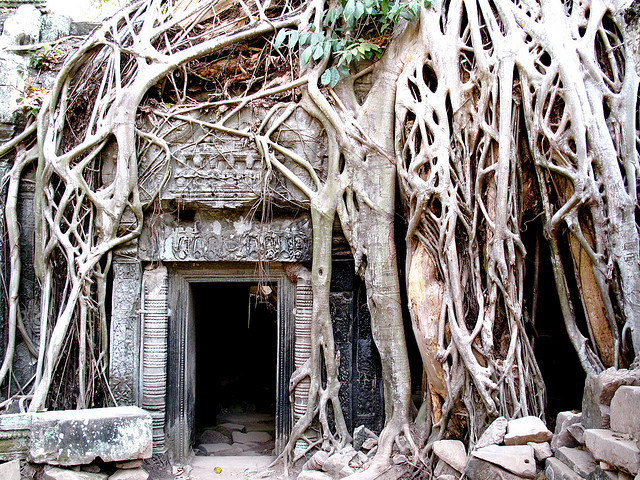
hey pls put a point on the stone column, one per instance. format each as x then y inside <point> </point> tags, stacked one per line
<point>302,348</point>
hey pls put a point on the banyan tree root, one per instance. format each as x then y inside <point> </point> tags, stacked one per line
<point>490,102</point>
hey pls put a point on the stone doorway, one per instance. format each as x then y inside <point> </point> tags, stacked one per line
<point>236,325</point>
<point>196,293</point>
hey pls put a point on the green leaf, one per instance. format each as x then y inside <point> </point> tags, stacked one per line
<point>344,70</point>
<point>349,10</point>
<point>316,38</point>
<point>306,55</point>
<point>318,51</point>
<point>335,77</point>
<point>293,39</point>
<point>282,34</point>
<point>325,79</point>
<point>304,38</point>
<point>358,10</point>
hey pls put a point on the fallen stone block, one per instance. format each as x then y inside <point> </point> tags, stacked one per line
<point>562,437</point>
<point>56,473</point>
<point>360,435</point>
<point>130,474</point>
<point>314,475</point>
<point>520,431</point>
<point>580,461</point>
<point>478,469</point>
<point>15,431</point>
<point>23,27</point>
<point>453,452</point>
<point>577,431</point>
<point>600,474</point>
<point>213,436</point>
<point>129,464</point>
<point>494,434</point>
<point>541,451</point>
<point>250,437</point>
<point>556,470</point>
<point>598,392</point>
<point>338,463</point>
<point>77,437</point>
<point>443,468</point>
<point>10,470</point>
<point>220,449</point>
<point>617,449</point>
<point>625,406</point>
<point>517,459</point>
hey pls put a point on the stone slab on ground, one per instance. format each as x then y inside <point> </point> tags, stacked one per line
<point>129,464</point>
<point>600,474</point>
<point>556,470</point>
<point>234,468</point>
<point>56,473</point>
<point>213,436</point>
<point>517,459</point>
<point>561,436</point>
<point>541,451</point>
<point>130,474</point>
<point>598,392</point>
<point>580,461</point>
<point>251,437</point>
<point>625,408</point>
<point>242,418</point>
<point>451,451</point>
<point>10,470</point>
<point>220,449</point>
<point>520,431</point>
<point>494,434</point>
<point>478,469</point>
<point>616,449</point>
<point>314,475</point>
<point>577,431</point>
<point>77,437</point>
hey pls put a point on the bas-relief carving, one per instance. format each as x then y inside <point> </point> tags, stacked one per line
<point>124,347</point>
<point>214,239</point>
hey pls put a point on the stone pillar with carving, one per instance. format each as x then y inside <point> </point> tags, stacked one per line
<point>155,321</point>
<point>124,348</point>
<point>302,347</point>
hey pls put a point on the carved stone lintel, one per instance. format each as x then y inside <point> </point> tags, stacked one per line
<point>154,350</point>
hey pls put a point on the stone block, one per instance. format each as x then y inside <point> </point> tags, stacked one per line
<point>360,435</point>
<point>577,431</point>
<point>494,434</point>
<point>598,392</point>
<point>562,437</point>
<point>451,451</point>
<point>556,470</point>
<point>443,468</point>
<point>53,27</point>
<point>617,449</point>
<point>250,437</point>
<point>580,461</point>
<point>77,437</point>
<point>23,27</point>
<point>517,459</point>
<point>520,431</point>
<point>541,451</point>
<point>130,474</point>
<point>478,469</point>
<point>600,474</point>
<point>14,436</point>
<point>625,406</point>
<point>56,473</point>
<point>10,470</point>
<point>314,475</point>
<point>82,28</point>
<point>129,464</point>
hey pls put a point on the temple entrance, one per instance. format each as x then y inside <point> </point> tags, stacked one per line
<point>236,327</point>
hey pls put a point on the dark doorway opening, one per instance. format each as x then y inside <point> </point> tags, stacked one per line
<point>236,330</point>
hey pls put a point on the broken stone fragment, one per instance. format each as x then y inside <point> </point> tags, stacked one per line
<point>316,461</point>
<point>360,435</point>
<point>447,477</point>
<point>214,436</point>
<point>130,474</point>
<point>617,449</point>
<point>625,407</point>
<point>129,464</point>
<point>517,459</point>
<point>10,470</point>
<point>520,431</point>
<point>453,452</point>
<point>337,464</point>
<point>250,437</point>
<point>600,474</point>
<point>478,469</point>
<point>369,443</point>
<point>56,473</point>
<point>443,468</point>
<point>400,459</point>
<point>556,470</point>
<point>580,461</point>
<point>494,434</point>
<point>23,27</point>
<point>562,437</point>
<point>577,431</point>
<point>598,392</point>
<point>541,451</point>
<point>220,449</point>
<point>78,437</point>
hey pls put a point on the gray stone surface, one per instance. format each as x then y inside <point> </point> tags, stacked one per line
<point>600,474</point>
<point>23,27</point>
<point>443,468</point>
<point>337,464</point>
<point>478,469</point>
<point>213,436</point>
<point>360,434</point>
<point>577,431</point>
<point>129,464</point>
<point>451,451</point>
<point>494,434</point>
<point>625,410</point>
<point>520,431</point>
<point>56,473</point>
<point>541,451</point>
<point>251,437</point>
<point>10,470</point>
<point>556,470</point>
<point>517,459</point>
<point>617,449</point>
<point>53,27</point>
<point>130,474</point>
<point>598,392</point>
<point>82,28</point>
<point>580,461</point>
<point>314,475</point>
<point>15,431</point>
<point>561,436</point>
<point>80,436</point>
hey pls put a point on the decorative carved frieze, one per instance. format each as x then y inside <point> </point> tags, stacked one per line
<point>211,238</point>
<point>155,321</point>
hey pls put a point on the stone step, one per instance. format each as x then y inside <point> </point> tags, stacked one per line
<point>625,406</point>
<point>614,448</point>
<point>243,418</point>
<point>580,461</point>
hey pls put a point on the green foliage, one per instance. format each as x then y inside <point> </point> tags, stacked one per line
<point>354,30</point>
